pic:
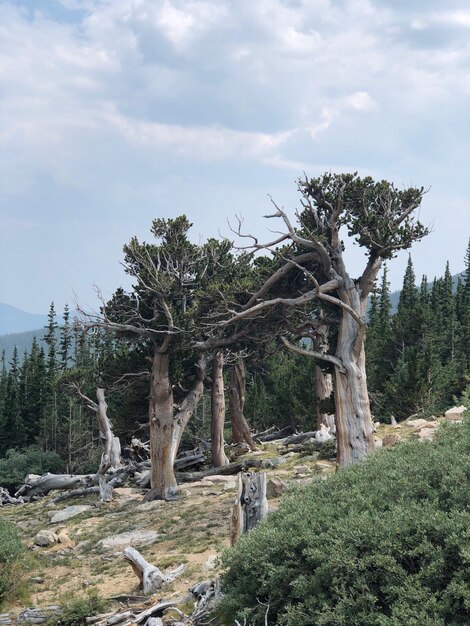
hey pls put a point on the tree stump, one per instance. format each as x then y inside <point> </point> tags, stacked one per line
<point>251,505</point>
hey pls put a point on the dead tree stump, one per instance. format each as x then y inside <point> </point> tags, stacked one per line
<point>251,505</point>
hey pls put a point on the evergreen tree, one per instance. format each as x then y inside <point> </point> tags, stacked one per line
<point>65,340</point>
<point>14,432</point>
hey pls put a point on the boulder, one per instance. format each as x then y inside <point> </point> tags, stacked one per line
<point>455,413</point>
<point>418,423</point>
<point>275,487</point>
<point>45,538</point>
<point>130,538</point>
<point>425,434</point>
<point>64,539</point>
<point>390,440</point>
<point>377,442</point>
<point>69,512</point>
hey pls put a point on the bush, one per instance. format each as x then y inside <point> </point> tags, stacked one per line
<point>10,552</point>
<point>75,612</point>
<point>17,464</point>
<point>383,543</point>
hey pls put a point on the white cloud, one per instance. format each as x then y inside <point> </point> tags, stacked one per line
<point>247,92</point>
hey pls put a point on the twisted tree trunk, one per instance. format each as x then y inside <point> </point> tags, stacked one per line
<point>167,426</point>
<point>354,430</point>
<point>240,429</point>
<point>218,411</point>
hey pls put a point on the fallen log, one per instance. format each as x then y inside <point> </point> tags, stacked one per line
<point>49,482</point>
<point>151,578</point>
<point>225,470</point>
<point>5,498</point>
<point>299,438</point>
<point>280,434</point>
<point>75,493</point>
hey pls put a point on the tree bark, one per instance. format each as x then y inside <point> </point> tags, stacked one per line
<point>218,411</point>
<point>240,429</point>
<point>251,505</point>
<point>166,426</point>
<point>111,457</point>
<point>354,429</point>
<point>323,380</point>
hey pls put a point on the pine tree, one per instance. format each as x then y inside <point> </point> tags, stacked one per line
<point>14,427</point>
<point>65,340</point>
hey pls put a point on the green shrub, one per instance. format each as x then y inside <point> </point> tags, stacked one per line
<point>383,543</point>
<point>10,552</point>
<point>75,612</point>
<point>17,464</point>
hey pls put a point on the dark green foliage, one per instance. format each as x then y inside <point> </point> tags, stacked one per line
<point>17,464</point>
<point>281,392</point>
<point>417,359</point>
<point>383,543</point>
<point>10,552</point>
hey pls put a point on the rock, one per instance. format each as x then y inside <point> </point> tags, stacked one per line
<point>390,440</point>
<point>422,423</point>
<point>69,512</point>
<point>37,580</point>
<point>393,421</point>
<point>455,413</point>
<point>219,478</point>
<point>65,539</point>
<point>45,538</point>
<point>6,619</point>
<point>200,483</point>
<point>378,443</point>
<point>324,465</point>
<point>425,434</point>
<point>376,426</point>
<point>130,538</point>
<point>273,463</point>
<point>275,487</point>
<point>83,546</point>
<point>150,506</point>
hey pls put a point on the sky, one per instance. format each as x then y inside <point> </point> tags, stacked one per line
<point>115,112</point>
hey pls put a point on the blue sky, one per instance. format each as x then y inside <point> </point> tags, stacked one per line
<point>115,112</point>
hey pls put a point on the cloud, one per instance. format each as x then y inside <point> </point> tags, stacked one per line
<point>107,104</point>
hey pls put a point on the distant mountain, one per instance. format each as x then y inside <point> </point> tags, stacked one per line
<point>22,341</point>
<point>13,320</point>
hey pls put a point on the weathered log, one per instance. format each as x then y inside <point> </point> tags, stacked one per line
<point>280,434</point>
<point>151,578</point>
<point>251,505</point>
<point>206,593</point>
<point>188,461</point>
<point>153,610</point>
<point>299,438</point>
<point>226,470</point>
<point>49,482</point>
<point>5,498</point>
<point>76,493</point>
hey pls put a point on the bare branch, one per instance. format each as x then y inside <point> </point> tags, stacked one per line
<point>314,355</point>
